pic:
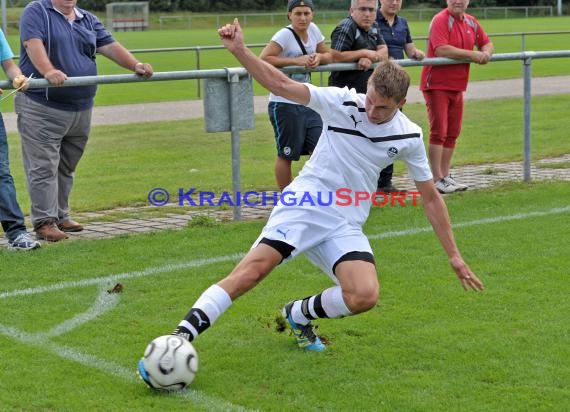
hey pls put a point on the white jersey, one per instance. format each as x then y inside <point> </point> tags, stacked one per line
<point>291,48</point>
<point>351,152</point>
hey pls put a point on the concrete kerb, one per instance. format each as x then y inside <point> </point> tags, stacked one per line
<point>477,177</point>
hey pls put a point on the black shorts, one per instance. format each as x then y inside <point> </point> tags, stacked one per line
<point>297,129</point>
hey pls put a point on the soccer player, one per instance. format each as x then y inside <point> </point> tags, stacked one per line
<point>362,134</point>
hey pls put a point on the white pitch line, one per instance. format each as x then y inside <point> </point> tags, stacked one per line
<point>171,267</point>
<point>485,221</point>
<point>68,353</point>
<point>38,340</point>
<point>104,303</point>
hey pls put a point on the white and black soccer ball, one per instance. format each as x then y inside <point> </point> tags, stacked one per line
<point>170,362</point>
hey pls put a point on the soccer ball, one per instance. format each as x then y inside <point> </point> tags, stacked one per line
<point>170,362</point>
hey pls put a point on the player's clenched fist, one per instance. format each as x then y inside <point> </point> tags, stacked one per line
<point>228,31</point>
<point>231,35</point>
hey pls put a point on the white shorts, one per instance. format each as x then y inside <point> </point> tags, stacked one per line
<point>322,234</point>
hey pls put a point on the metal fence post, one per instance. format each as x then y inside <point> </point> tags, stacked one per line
<point>233,79</point>
<point>527,93</point>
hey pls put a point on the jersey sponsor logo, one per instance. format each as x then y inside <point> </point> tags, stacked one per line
<point>354,120</point>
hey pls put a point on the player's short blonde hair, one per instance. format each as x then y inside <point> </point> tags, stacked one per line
<point>390,80</point>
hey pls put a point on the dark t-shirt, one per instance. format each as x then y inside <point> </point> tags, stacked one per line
<point>396,36</point>
<point>348,36</point>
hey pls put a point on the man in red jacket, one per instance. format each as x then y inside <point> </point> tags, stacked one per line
<point>453,34</point>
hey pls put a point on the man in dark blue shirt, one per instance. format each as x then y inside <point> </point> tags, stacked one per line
<point>396,34</point>
<point>59,40</point>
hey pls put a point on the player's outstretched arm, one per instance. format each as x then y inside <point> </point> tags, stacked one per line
<point>268,76</point>
<point>436,211</point>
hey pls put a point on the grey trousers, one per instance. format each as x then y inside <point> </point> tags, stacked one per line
<point>53,141</point>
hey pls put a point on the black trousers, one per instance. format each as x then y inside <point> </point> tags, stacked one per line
<point>385,178</point>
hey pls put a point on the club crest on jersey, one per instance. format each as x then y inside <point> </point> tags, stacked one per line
<point>392,152</point>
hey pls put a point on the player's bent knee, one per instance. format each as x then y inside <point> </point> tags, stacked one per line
<point>361,301</point>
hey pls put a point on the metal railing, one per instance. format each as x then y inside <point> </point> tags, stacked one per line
<point>525,57</point>
<point>199,49</point>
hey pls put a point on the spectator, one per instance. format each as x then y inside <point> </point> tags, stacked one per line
<point>396,32</point>
<point>453,33</point>
<point>11,215</point>
<point>358,39</point>
<point>59,40</point>
<point>398,38</point>
<point>297,128</point>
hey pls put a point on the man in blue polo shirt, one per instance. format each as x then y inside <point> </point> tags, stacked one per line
<point>60,40</point>
<point>396,34</point>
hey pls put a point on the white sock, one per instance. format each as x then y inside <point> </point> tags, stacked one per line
<point>213,302</point>
<point>210,305</point>
<point>333,303</point>
<point>297,314</point>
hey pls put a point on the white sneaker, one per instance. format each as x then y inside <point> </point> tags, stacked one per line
<point>445,187</point>
<point>460,186</point>
<point>23,242</point>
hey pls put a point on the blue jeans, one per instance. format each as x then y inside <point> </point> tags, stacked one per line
<point>10,213</point>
